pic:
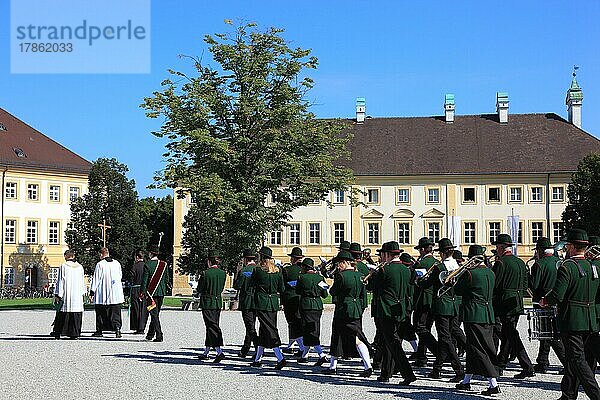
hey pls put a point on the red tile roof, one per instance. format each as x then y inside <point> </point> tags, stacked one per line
<point>473,144</point>
<point>42,153</point>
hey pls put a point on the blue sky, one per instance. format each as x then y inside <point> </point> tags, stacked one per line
<point>401,56</point>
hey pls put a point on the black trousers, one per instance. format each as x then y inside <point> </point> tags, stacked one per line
<point>294,320</point>
<point>68,324</point>
<point>481,351</point>
<point>592,349</point>
<point>108,317</point>
<point>446,350</point>
<point>544,352</point>
<point>378,343</point>
<point>268,334</point>
<point>511,343</point>
<point>409,331</point>
<point>423,322</point>
<point>458,336</point>
<point>214,336</point>
<point>392,332</point>
<point>249,318</point>
<point>311,327</point>
<point>578,369</point>
<point>138,314</point>
<point>155,328</point>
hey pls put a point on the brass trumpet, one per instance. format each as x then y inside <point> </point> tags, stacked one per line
<point>449,279</point>
<point>374,270</point>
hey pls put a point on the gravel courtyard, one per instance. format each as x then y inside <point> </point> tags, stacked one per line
<point>33,365</point>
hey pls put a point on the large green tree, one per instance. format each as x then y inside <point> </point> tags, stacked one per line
<point>583,210</point>
<point>157,216</point>
<point>112,197</point>
<point>240,131</point>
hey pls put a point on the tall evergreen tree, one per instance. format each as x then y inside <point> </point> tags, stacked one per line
<point>243,143</point>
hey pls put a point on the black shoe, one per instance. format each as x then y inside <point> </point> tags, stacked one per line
<point>463,386</point>
<point>148,338</point>
<point>158,339</point>
<point>491,391</point>
<point>500,371</point>
<point>219,358</point>
<point>367,373</point>
<point>540,368</point>
<point>280,364</point>
<point>97,334</point>
<point>435,374</point>
<point>320,361</point>
<point>376,365</point>
<point>383,379</point>
<point>298,353</point>
<point>408,381</point>
<point>244,352</point>
<point>413,357</point>
<point>137,332</point>
<point>524,374</point>
<point>329,371</point>
<point>420,363</point>
<point>118,334</point>
<point>256,364</point>
<point>287,351</point>
<point>457,378</point>
<point>202,357</point>
<point>302,360</point>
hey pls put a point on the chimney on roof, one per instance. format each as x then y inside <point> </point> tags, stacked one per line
<point>502,107</point>
<point>360,109</point>
<point>574,100</point>
<point>449,107</point>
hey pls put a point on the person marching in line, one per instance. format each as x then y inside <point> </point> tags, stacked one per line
<point>106,291</point>
<point>291,301</point>
<point>154,285</point>
<point>458,335</point>
<point>267,284</point>
<point>542,277</point>
<point>592,347</point>
<point>422,314</point>
<point>392,281</point>
<point>138,318</point>
<point>346,332</point>
<point>574,293</point>
<point>378,344</point>
<point>68,292</point>
<point>311,288</point>
<point>511,283</point>
<point>409,330</point>
<point>476,286</point>
<point>445,312</point>
<point>245,297</point>
<point>357,253</point>
<point>210,287</point>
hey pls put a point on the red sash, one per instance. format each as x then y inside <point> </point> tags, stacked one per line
<point>154,281</point>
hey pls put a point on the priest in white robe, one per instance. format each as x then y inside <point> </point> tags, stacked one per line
<point>106,290</point>
<point>69,291</point>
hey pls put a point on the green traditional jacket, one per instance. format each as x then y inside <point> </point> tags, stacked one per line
<point>575,296</point>
<point>511,284</point>
<point>362,268</point>
<point>161,288</point>
<point>542,276</point>
<point>267,288</point>
<point>476,287</point>
<point>393,282</point>
<point>445,305</point>
<point>424,296</point>
<point>245,291</point>
<point>597,264</point>
<point>310,292</point>
<point>289,298</point>
<point>210,288</point>
<point>348,293</point>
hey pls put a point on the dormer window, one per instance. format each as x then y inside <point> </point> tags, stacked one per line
<point>19,152</point>
<point>2,127</point>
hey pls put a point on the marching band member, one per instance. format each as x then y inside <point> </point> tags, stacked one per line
<point>511,283</point>
<point>445,311</point>
<point>476,286</point>
<point>409,330</point>
<point>392,281</point>
<point>311,288</point>
<point>267,284</point>
<point>291,301</point>
<point>575,292</point>
<point>358,263</point>
<point>210,286</point>
<point>592,347</point>
<point>422,314</point>
<point>245,295</point>
<point>542,277</point>
<point>346,334</point>
<point>457,333</point>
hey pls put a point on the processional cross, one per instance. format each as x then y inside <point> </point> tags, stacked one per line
<point>104,227</point>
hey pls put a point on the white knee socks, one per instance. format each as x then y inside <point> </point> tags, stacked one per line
<point>492,382</point>
<point>364,354</point>
<point>333,363</point>
<point>259,353</point>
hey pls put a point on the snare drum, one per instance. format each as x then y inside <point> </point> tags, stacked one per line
<point>543,324</point>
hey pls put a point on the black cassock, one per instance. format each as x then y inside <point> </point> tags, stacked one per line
<point>138,316</point>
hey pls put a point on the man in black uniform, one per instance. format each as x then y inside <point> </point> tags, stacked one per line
<point>139,314</point>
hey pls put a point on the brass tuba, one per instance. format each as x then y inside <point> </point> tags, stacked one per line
<point>449,279</point>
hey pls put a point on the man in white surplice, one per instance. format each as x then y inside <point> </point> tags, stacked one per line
<point>106,290</point>
<point>69,291</point>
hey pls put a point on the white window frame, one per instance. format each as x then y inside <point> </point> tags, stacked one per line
<point>314,235</point>
<point>510,194</point>
<point>428,199</point>
<point>464,200</point>
<point>493,237</point>
<point>562,191</point>
<point>470,235</point>
<point>292,233</point>
<point>275,237</point>
<point>368,196</point>
<point>404,201</point>
<point>12,192</point>
<point>9,276</point>
<point>377,231</point>
<point>13,230</point>
<point>337,239</point>
<point>541,199</point>
<point>53,232</point>
<point>73,196</point>
<point>429,231</point>
<point>487,194</point>
<point>533,231</point>
<point>561,231</point>
<point>33,192</point>
<point>52,276</point>
<point>32,228</point>
<point>54,195</point>
<point>339,197</point>
<point>407,232</point>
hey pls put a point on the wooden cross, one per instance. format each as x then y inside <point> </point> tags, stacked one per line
<point>104,227</point>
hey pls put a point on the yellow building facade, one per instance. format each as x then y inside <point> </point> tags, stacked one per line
<point>39,179</point>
